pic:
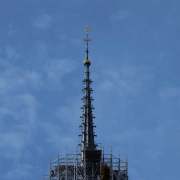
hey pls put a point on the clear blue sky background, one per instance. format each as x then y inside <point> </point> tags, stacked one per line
<point>135,71</point>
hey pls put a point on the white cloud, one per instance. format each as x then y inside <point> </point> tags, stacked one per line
<point>19,107</point>
<point>69,118</point>
<point>125,80</point>
<point>107,85</point>
<point>13,140</point>
<point>12,144</point>
<point>34,79</point>
<point>14,78</point>
<point>11,30</point>
<point>41,49</point>
<point>56,136</point>
<point>4,111</point>
<point>11,52</point>
<point>42,21</point>
<point>17,133</point>
<point>73,107</point>
<point>20,171</point>
<point>169,130</point>
<point>28,109</point>
<point>56,69</point>
<point>170,99</point>
<point>169,93</point>
<point>119,16</point>
<point>10,79</point>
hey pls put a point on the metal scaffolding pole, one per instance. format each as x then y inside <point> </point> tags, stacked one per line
<point>66,166</point>
<point>50,167</point>
<point>76,164</point>
<point>119,176</point>
<point>58,167</point>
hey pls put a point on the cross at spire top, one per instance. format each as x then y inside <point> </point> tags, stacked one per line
<point>87,44</point>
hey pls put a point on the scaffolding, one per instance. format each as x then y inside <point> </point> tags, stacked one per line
<point>71,167</point>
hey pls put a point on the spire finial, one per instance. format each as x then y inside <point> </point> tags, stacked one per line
<point>87,44</point>
<point>87,30</point>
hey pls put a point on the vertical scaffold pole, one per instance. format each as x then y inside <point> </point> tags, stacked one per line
<point>66,166</point>
<point>103,155</point>
<point>101,158</point>
<point>119,175</point>
<point>58,166</point>
<point>111,165</point>
<point>92,176</point>
<point>126,167</point>
<point>84,166</point>
<point>74,165</point>
<point>50,168</point>
<point>77,166</point>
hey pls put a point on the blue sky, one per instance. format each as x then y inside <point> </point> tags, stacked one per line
<point>135,71</point>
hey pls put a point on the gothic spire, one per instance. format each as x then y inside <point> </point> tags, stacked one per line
<point>87,137</point>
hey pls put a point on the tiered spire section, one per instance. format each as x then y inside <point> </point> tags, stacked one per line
<point>87,116</point>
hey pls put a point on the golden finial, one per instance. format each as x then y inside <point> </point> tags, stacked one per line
<point>87,30</point>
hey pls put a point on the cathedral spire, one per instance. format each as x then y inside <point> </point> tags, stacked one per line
<point>87,137</point>
<point>89,165</point>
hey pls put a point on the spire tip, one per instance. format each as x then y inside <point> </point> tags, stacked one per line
<point>87,30</point>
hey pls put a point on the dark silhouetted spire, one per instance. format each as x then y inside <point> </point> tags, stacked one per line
<point>87,117</point>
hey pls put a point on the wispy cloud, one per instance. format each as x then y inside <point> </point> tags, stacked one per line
<point>66,126</point>
<point>42,21</point>
<point>20,171</point>
<point>11,32</point>
<point>55,133</point>
<point>19,105</point>
<point>119,16</point>
<point>107,85</point>
<point>11,52</point>
<point>41,49</point>
<point>56,69</point>
<point>73,106</point>
<point>170,95</point>
<point>49,72</point>
<point>21,111</point>
<point>128,79</point>
<point>13,77</point>
<point>169,130</point>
